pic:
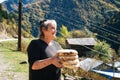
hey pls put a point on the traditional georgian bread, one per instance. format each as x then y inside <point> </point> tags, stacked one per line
<point>69,57</point>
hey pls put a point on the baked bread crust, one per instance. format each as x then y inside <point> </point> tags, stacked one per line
<point>67,52</point>
<point>68,57</point>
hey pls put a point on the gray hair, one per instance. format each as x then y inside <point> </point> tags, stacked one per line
<point>44,24</point>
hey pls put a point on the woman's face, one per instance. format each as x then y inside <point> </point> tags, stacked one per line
<point>50,33</point>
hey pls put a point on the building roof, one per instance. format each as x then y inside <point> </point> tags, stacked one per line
<point>81,41</point>
<point>108,74</point>
<point>89,63</point>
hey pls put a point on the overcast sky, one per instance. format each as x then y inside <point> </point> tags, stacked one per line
<point>1,1</point>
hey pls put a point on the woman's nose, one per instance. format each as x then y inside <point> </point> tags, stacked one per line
<point>54,30</point>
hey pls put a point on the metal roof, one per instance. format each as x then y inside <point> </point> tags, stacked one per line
<point>81,41</point>
<point>108,74</point>
<point>89,63</point>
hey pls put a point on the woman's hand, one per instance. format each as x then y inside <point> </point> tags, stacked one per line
<point>57,62</point>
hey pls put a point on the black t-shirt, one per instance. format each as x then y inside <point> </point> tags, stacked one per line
<point>38,50</point>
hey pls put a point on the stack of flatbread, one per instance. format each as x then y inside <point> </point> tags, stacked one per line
<point>69,58</point>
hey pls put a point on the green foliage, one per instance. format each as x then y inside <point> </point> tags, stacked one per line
<point>102,51</point>
<point>9,22</point>
<point>61,41</point>
<point>64,32</point>
<point>82,33</point>
<point>78,34</point>
<point>88,32</point>
<point>3,13</point>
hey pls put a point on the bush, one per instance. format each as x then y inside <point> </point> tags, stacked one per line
<point>102,51</point>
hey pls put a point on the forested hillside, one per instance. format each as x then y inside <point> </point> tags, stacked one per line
<point>8,24</point>
<point>99,16</point>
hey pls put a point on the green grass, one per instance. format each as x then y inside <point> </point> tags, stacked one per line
<point>14,57</point>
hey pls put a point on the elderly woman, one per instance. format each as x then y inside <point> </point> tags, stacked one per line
<point>43,63</point>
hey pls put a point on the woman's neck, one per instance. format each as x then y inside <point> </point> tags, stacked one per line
<point>47,40</point>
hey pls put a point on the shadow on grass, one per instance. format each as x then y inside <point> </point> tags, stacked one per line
<point>9,50</point>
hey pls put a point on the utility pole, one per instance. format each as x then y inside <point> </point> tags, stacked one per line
<point>19,24</point>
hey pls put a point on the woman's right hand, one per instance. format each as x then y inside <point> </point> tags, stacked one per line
<point>57,62</point>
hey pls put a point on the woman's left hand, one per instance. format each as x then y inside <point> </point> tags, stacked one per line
<point>57,62</point>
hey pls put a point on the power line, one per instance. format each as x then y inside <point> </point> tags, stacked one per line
<point>88,26</point>
<point>115,29</point>
<point>63,19</point>
<point>91,22</point>
<point>60,10</point>
<point>95,50</point>
<point>109,39</point>
<point>85,25</point>
<point>105,29</point>
<point>106,32</point>
<point>100,27</point>
<point>87,19</point>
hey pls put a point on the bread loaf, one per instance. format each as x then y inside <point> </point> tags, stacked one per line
<point>69,58</point>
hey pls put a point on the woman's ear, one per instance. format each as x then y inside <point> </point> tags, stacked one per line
<point>44,29</point>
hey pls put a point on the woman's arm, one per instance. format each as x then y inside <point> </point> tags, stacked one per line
<point>39,64</point>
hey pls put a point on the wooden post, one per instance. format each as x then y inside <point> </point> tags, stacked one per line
<point>19,25</point>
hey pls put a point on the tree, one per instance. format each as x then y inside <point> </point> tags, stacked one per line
<point>64,32</point>
<point>103,51</point>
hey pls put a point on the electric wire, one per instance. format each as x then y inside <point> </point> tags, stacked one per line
<point>58,17</point>
<point>74,17</point>
<point>90,26</point>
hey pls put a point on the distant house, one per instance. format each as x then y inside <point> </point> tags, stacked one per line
<point>82,45</point>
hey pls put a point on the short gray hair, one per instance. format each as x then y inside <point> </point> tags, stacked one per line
<point>45,23</point>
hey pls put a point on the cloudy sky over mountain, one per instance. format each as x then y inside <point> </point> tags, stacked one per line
<point>1,1</point>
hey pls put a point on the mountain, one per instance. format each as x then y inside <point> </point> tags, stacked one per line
<point>73,13</point>
<point>99,16</point>
<point>12,5</point>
